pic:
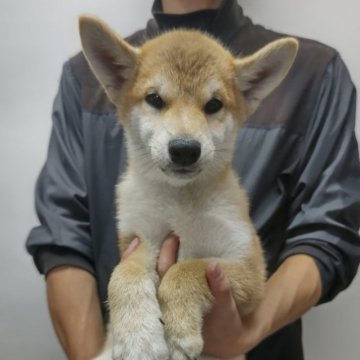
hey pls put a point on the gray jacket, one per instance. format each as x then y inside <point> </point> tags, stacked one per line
<point>297,157</point>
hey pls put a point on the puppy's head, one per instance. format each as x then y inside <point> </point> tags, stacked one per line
<point>181,97</point>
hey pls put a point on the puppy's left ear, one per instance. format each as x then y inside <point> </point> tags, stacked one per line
<point>259,74</point>
<point>111,58</point>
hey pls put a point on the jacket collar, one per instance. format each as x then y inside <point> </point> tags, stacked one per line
<point>222,23</point>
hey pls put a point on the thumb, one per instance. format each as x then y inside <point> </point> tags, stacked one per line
<point>219,285</point>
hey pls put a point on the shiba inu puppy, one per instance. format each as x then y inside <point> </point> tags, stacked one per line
<point>181,97</point>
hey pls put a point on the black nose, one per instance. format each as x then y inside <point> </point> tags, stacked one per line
<point>184,152</point>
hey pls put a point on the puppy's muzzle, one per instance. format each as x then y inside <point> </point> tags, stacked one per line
<point>184,152</point>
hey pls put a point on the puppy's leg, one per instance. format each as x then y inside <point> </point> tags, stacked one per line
<point>185,297</point>
<point>135,316</point>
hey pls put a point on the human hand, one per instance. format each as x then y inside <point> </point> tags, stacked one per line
<point>227,334</point>
<point>167,256</point>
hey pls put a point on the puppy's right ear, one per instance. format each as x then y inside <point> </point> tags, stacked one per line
<point>259,74</point>
<point>111,58</point>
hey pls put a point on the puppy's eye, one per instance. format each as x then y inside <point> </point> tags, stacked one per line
<point>155,101</point>
<point>213,106</point>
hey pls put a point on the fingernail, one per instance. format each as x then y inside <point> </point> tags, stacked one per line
<point>134,243</point>
<point>216,269</point>
<point>173,236</point>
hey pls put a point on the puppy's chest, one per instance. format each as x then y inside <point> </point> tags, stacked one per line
<point>206,228</point>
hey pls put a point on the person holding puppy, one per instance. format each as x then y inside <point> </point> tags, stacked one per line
<point>297,157</point>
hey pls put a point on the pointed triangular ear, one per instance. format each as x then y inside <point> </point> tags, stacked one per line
<point>111,58</point>
<point>259,74</point>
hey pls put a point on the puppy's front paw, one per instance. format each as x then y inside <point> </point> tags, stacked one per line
<point>185,346</point>
<point>137,331</point>
<point>141,337</point>
<point>183,325</point>
<point>146,345</point>
<point>184,298</point>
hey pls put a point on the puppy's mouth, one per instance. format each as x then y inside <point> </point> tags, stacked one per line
<point>181,171</point>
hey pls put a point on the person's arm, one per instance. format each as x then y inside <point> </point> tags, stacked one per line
<point>284,304</point>
<point>62,245</point>
<point>292,290</point>
<point>75,311</point>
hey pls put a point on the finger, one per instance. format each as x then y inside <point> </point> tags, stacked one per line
<point>224,309</point>
<point>219,285</point>
<point>130,249</point>
<point>168,254</point>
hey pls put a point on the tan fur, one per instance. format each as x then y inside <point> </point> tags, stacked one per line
<point>164,55</point>
<point>210,211</point>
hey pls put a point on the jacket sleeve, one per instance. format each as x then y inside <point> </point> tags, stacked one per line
<point>325,205</point>
<point>63,236</point>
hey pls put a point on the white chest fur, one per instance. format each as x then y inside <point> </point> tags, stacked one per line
<point>208,219</point>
